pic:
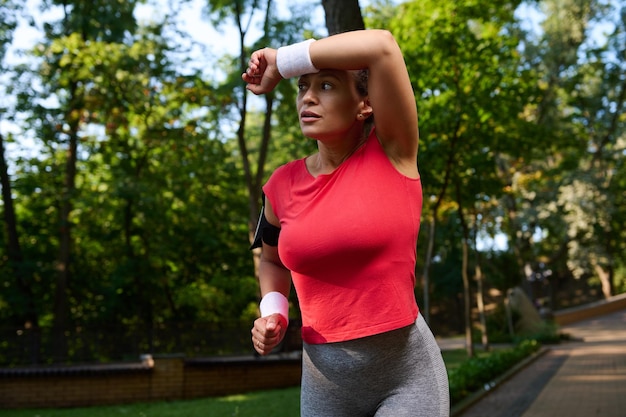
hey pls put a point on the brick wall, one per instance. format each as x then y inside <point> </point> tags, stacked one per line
<point>158,379</point>
<point>222,377</point>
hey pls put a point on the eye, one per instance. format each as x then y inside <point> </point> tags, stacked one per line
<point>302,86</point>
<point>326,85</point>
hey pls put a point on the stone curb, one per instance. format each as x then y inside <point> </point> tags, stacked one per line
<point>489,387</point>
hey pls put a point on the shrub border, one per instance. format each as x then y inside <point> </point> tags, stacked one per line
<point>461,406</point>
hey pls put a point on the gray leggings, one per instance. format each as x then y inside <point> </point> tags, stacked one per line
<point>395,374</point>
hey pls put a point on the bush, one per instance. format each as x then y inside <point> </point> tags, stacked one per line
<point>475,373</point>
<point>546,333</point>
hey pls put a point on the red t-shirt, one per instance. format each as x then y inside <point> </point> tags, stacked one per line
<point>349,239</point>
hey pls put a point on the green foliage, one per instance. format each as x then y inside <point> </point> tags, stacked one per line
<point>546,333</point>
<point>158,212</point>
<point>497,326</point>
<point>620,280</point>
<point>529,126</point>
<point>475,373</point>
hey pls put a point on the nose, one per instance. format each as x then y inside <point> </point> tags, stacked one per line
<point>308,96</point>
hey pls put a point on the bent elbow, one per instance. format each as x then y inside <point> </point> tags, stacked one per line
<point>387,42</point>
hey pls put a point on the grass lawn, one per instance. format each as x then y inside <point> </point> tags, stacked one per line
<point>275,403</point>
<point>453,358</point>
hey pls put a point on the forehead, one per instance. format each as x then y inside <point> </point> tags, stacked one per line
<point>339,75</point>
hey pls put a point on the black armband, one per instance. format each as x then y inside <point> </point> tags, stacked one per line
<point>265,232</point>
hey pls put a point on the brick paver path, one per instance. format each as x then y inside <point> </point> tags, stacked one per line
<point>585,378</point>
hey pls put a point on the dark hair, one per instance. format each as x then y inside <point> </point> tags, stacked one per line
<point>361,78</point>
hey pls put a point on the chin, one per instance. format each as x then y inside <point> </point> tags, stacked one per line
<point>309,133</point>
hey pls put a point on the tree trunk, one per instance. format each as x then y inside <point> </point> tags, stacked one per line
<point>28,316</point>
<point>481,306</point>
<point>605,280</point>
<point>425,310</point>
<point>254,181</point>
<point>478,276</point>
<point>431,238</point>
<point>14,251</point>
<point>467,299</point>
<point>425,307</point>
<point>469,346</point>
<point>61,304</point>
<point>342,16</point>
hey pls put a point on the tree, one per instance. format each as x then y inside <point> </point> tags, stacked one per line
<point>597,98</point>
<point>342,16</point>
<point>24,307</point>
<point>83,21</point>
<point>465,66</point>
<point>157,204</point>
<point>583,96</point>
<point>116,78</point>
<point>275,32</point>
<point>522,133</point>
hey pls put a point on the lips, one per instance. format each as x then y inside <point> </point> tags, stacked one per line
<point>309,116</point>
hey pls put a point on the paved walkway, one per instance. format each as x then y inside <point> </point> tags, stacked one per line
<point>582,378</point>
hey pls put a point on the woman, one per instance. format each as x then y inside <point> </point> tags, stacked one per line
<point>343,225</point>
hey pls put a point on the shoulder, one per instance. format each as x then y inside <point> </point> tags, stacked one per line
<point>286,170</point>
<point>281,179</point>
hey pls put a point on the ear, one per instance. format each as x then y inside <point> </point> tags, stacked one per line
<point>365,109</point>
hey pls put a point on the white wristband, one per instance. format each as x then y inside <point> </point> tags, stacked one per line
<point>275,302</point>
<point>295,60</point>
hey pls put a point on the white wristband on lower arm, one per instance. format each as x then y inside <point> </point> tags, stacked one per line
<point>274,302</point>
<point>295,60</point>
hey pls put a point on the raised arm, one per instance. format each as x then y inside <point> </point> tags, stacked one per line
<point>390,93</point>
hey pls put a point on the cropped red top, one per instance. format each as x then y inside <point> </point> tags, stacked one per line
<point>349,239</point>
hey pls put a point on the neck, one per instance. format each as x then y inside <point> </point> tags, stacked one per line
<point>330,156</point>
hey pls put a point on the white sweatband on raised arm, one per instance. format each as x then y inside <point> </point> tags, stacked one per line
<point>274,302</point>
<point>295,60</point>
